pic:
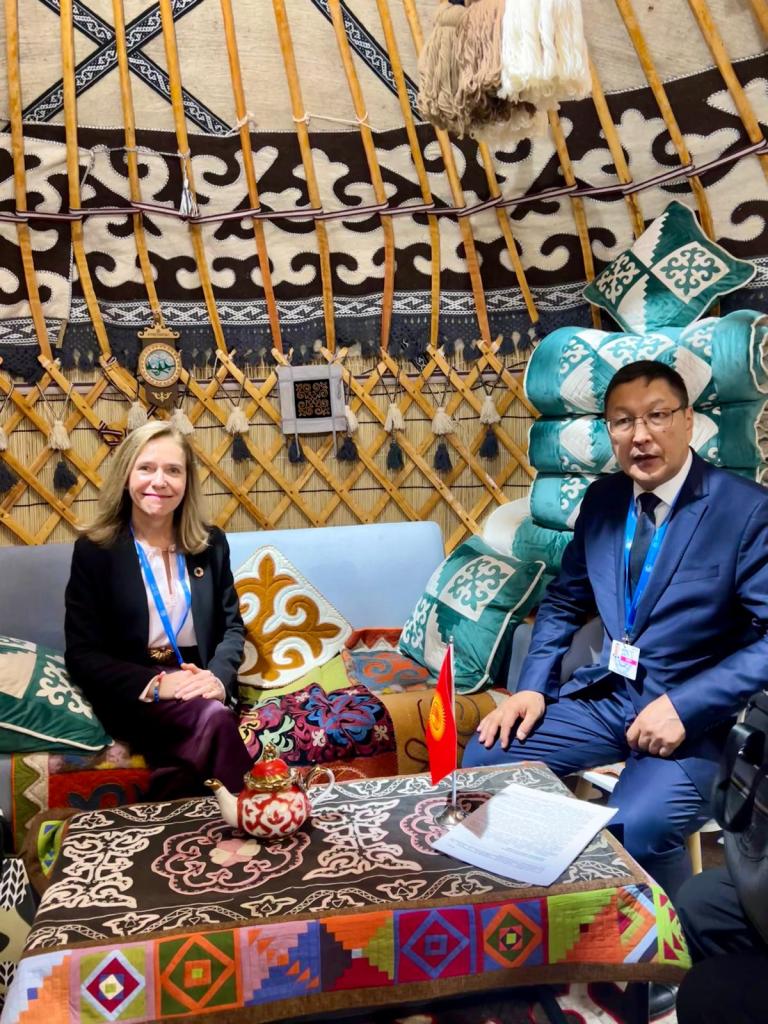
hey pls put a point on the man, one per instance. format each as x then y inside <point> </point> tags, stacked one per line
<point>673,554</point>
<point>729,980</point>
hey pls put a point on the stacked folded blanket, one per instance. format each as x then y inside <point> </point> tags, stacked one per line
<point>725,366</point>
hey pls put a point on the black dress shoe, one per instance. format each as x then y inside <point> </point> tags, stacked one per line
<point>661,999</point>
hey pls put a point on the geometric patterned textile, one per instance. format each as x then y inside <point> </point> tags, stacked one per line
<point>158,911</point>
<point>670,277</point>
<point>73,780</point>
<point>476,596</point>
<point>290,628</point>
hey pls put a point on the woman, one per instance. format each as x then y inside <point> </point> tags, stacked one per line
<point>153,629</point>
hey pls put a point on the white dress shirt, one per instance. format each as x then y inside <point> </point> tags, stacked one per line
<point>667,492</point>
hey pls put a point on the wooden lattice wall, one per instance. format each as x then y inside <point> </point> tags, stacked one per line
<point>268,491</point>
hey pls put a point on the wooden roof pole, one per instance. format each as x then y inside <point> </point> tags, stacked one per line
<point>627,13</point>
<point>577,206</point>
<point>717,47</point>
<point>305,146</point>
<point>19,173</point>
<point>418,161</point>
<point>179,119</point>
<point>373,165</point>
<point>503,216</point>
<point>457,192</point>
<point>73,171</point>
<point>129,122</point>
<point>616,150</point>
<point>250,173</point>
<point>760,8</point>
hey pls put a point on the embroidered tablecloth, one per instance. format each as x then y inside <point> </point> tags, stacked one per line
<point>159,911</point>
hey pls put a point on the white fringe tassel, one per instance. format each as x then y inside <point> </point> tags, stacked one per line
<point>237,422</point>
<point>352,423</point>
<point>181,422</point>
<point>442,423</point>
<point>489,414</point>
<point>394,420</point>
<point>58,439</point>
<point>137,415</point>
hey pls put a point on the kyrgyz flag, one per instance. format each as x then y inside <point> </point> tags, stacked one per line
<point>441,724</point>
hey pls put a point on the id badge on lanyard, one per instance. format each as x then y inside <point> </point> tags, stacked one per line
<point>157,597</point>
<point>625,656</point>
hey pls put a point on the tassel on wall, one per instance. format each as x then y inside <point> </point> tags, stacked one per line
<point>58,441</point>
<point>238,426</point>
<point>442,424</point>
<point>181,422</point>
<point>394,420</point>
<point>489,415</point>
<point>187,203</point>
<point>348,450</point>
<point>395,460</point>
<point>137,414</point>
<point>7,478</point>
<point>295,452</point>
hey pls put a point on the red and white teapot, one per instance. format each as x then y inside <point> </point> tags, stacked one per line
<point>275,801</point>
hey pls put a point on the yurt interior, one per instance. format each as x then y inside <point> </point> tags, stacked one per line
<point>383,511</point>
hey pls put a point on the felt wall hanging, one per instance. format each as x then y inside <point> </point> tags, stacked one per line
<point>311,399</point>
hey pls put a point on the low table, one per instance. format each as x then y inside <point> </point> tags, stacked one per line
<point>161,911</point>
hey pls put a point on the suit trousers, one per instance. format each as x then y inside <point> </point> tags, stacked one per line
<point>658,805</point>
<point>729,980</point>
<point>185,743</point>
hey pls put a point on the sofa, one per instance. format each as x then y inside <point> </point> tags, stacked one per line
<point>373,575</point>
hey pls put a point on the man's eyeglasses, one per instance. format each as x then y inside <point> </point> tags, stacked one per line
<point>656,421</point>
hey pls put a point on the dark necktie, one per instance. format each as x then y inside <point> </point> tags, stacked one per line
<point>644,531</point>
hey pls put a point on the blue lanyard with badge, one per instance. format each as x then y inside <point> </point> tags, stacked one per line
<point>157,597</point>
<point>625,656</point>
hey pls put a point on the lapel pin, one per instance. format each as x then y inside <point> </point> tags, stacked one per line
<point>199,572</point>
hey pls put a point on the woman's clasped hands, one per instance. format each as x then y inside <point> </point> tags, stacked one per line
<point>190,681</point>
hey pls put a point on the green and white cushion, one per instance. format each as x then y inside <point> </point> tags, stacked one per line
<point>476,596</point>
<point>533,542</point>
<point>571,368</point>
<point>556,499</point>
<point>670,277</point>
<point>581,444</point>
<point>40,708</point>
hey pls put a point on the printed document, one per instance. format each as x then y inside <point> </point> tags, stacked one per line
<point>525,834</point>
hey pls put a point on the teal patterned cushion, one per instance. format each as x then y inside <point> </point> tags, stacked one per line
<point>40,709</point>
<point>476,596</point>
<point>670,277</point>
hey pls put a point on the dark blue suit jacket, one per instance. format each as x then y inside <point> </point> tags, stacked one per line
<point>701,623</point>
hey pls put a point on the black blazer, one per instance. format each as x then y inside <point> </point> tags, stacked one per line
<point>107,620</point>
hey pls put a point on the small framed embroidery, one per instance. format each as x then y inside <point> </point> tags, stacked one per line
<point>311,399</point>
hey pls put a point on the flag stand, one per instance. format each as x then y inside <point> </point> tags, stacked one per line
<point>451,814</point>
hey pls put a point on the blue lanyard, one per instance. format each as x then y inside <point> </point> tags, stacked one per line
<point>157,597</point>
<point>631,604</point>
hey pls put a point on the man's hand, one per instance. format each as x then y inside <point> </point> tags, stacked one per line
<point>527,705</point>
<point>657,729</point>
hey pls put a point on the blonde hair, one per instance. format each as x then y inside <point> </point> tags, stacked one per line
<point>114,508</point>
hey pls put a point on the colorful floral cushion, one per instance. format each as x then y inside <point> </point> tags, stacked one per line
<point>477,596</point>
<point>670,277</point>
<point>290,627</point>
<point>40,708</point>
<point>311,726</point>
